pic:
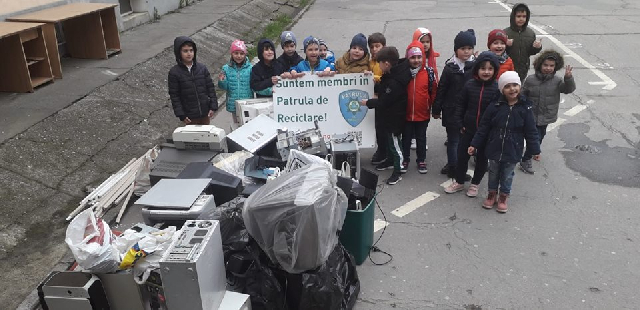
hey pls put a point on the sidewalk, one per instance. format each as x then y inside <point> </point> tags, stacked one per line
<point>77,131</point>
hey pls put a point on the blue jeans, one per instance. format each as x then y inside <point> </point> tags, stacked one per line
<point>453,137</point>
<point>501,174</point>
<point>542,130</point>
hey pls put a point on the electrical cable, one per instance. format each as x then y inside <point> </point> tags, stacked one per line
<point>374,248</point>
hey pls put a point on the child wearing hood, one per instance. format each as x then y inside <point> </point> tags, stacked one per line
<point>312,63</point>
<point>327,54</point>
<point>191,89</point>
<point>235,77</point>
<point>356,59</point>
<point>503,129</point>
<point>473,101</point>
<point>497,43</point>
<point>522,42</point>
<point>457,71</point>
<point>424,36</point>
<point>543,88</point>
<point>289,57</point>
<point>266,72</point>
<point>421,93</point>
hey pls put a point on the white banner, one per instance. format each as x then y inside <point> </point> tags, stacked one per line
<point>332,101</point>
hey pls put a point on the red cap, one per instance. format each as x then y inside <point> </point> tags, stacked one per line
<point>497,34</point>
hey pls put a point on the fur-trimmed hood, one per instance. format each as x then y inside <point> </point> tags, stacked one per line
<point>548,54</point>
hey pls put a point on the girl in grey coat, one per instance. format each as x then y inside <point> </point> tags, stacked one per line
<point>543,89</point>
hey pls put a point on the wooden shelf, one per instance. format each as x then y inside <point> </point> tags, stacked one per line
<point>37,81</point>
<point>34,60</point>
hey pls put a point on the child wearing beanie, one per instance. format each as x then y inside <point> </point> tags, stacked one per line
<point>497,43</point>
<point>503,129</point>
<point>312,63</point>
<point>457,71</point>
<point>543,88</point>
<point>327,54</point>
<point>235,77</point>
<point>289,57</point>
<point>356,59</point>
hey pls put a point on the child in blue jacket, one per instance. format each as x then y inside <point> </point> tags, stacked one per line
<point>504,127</point>
<point>236,76</point>
<point>313,63</point>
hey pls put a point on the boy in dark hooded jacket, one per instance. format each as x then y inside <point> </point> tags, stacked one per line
<point>474,99</point>
<point>522,41</point>
<point>543,89</point>
<point>265,73</point>
<point>391,102</point>
<point>503,129</point>
<point>290,57</point>
<point>191,89</point>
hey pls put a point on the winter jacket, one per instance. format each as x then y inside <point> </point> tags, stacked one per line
<point>236,82</point>
<point>288,62</point>
<point>421,91</point>
<point>346,65</point>
<point>544,90</point>
<point>331,59</point>
<point>305,66</point>
<point>505,65</point>
<point>451,83</point>
<point>192,93</point>
<point>374,66</point>
<point>503,130</point>
<point>392,97</point>
<point>261,73</point>
<point>522,47</point>
<point>476,95</point>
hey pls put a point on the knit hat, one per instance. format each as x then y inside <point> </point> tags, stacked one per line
<point>414,51</point>
<point>287,36</point>
<point>322,42</point>
<point>464,38</point>
<point>497,34</point>
<point>419,33</point>
<point>238,45</point>
<point>508,77</point>
<point>309,40</point>
<point>361,41</point>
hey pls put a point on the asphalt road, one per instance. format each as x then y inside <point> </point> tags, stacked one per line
<point>570,239</point>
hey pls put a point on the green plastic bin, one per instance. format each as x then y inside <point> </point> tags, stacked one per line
<point>357,232</point>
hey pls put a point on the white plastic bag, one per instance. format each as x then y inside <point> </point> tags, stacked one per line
<point>91,242</point>
<point>233,163</point>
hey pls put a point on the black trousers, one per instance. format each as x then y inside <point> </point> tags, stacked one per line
<point>463,160</point>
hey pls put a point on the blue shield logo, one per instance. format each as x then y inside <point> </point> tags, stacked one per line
<point>350,107</point>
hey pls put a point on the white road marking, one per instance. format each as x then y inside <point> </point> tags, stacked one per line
<point>109,72</point>
<point>575,110</point>
<point>379,224</point>
<point>415,204</point>
<point>608,83</point>
<point>559,122</point>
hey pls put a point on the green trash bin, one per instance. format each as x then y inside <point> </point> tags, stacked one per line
<point>357,232</point>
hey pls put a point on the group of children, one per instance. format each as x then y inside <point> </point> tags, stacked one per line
<point>486,108</point>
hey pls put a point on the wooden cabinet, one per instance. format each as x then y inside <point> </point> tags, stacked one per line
<point>25,63</point>
<point>90,30</point>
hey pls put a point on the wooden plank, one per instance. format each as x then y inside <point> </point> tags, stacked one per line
<point>7,29</point>
<point>40,72</point>
<point>62,13</point>
<point>84,36</point>
<point>110,29</point>
<point>29,35</point>
<point>51,42</point>
<point>37,81</point>
<point>14,73</point>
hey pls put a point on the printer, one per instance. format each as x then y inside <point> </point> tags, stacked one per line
<point>200,137</point>
<point>249,109</point>
<point>175,200</point>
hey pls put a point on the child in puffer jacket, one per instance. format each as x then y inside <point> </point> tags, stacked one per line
<point>543,89</point>
<point>327,54</point>
<point>235,77</point>
<point>503,129</point>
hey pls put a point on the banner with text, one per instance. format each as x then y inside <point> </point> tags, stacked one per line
<point>332,101</point>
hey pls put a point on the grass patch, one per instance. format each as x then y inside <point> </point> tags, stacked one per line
<point>272,31</point>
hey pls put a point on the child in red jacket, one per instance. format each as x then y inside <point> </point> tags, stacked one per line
<point>497,43</point>
<point>421,93</point>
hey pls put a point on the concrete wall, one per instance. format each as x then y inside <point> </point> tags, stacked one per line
<point>162,6</point>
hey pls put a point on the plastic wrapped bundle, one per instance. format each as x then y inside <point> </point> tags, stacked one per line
<point>295,218</point>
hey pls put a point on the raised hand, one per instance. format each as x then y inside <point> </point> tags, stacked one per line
<point>537,43</point>
<point>568,72</point>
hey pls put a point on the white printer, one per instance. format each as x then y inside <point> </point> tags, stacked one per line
<point>249,109</point>
<point>200,137</point>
